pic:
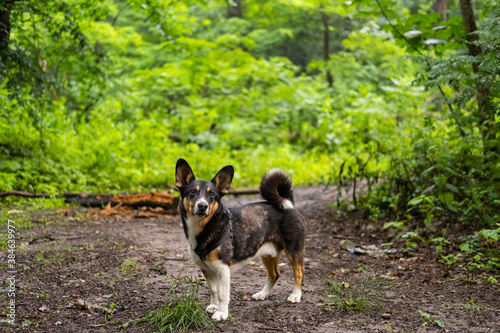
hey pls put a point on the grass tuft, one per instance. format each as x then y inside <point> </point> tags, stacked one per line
<point>352,298</point>
<point>181,313</point>
<point>129,265</point>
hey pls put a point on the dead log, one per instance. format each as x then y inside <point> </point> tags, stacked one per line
<point>161,199</point>
<point>89,200</point>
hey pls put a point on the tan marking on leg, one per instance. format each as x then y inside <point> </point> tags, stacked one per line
<point>212,256</point>
<point>273,271</point>
<point>298,272</point>
<point>297,267</point>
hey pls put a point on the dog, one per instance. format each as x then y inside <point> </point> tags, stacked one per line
<point>221,241</point>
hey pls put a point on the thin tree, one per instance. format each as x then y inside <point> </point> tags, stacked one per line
<point>483,93</point>
<point>5,8</point>
<point>326,47</point>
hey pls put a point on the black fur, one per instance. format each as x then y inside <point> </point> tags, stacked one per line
<point>277,225</point>
<point>272,226</point>
<point>276,187</point>
<point>219,223</point>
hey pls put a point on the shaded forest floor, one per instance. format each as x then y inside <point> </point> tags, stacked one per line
<point>121,263</point>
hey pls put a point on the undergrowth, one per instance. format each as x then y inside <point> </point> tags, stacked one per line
<point>183,311</point>
<point>352,297</point>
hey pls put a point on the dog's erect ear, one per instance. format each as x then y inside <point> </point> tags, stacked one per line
<point>183,173</point>
<point>223,179</point>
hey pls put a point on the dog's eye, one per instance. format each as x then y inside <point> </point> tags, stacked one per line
<point>211,194</point>
<point>192,193</point>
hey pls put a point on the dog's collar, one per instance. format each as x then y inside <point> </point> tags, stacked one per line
<point>202,253</point>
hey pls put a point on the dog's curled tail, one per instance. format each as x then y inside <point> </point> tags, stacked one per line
<point>276,188</point>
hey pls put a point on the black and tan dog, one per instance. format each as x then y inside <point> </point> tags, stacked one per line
<point>221,241</point>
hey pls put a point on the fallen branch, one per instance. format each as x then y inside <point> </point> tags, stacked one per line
<point>26,194</point>
<point>90,200</point>
<point>47,236</point>
<point>161,199</point>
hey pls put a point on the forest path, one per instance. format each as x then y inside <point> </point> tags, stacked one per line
<point>124,260</point>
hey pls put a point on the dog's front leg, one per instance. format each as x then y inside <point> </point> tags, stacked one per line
<point>223,291</point>
<point>212,285</point>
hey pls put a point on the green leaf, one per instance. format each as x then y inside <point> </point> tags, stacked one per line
<point>429,218</point>
<point>425,172</point>
<point>451,187</point>
<point>439,322</point>
<point>428,189</point>
<point>424,314</point>
<point>446,198</point>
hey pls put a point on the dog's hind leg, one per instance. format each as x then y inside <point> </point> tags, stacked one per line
<point>297,262</point>
<point>212,285</point>
<point>273,273</point>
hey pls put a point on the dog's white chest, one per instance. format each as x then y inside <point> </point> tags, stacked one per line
<point>193,229</point>
<point>194,257</point>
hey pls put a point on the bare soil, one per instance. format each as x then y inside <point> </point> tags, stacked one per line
<point>102,259</point>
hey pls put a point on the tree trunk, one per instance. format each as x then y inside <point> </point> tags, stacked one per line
<point>234,9</point>
<point>474,50</point>
<point>470,27</point>
<point>483,93</point>
<point>326,48</point>
<point>4,26</point>
<point>441,7</point>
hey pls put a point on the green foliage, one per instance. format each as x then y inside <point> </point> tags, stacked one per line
<point>129,265</point>
<point>191,90</point>
<point>478,252</point>
<point>182,312</point>
<point>481,250</point>
<point>441,242</point>
<point>51,57</point>
<point>430,320</point>
<point>352,298</point>
<point>471,306</point>
<point>450,259</point>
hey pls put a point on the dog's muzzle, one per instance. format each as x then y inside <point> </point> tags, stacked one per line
<point>201,209</point>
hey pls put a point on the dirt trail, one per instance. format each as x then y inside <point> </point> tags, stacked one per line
<point>123,260</point>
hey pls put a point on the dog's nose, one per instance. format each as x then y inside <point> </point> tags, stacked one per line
<point>202,206</point>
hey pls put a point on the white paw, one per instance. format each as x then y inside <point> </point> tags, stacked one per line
<point>260,296</point>
<point>212,308</point>
<point>294,298</point>
<point>220,316</point>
